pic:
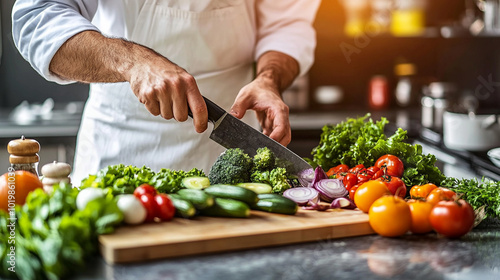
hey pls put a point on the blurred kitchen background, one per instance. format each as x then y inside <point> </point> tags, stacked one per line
<point>412,61</point>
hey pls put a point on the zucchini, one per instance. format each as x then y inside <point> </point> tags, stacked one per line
<point>257,187</point>
<point>195,182</point>
<point>275,203</point>
<point>198,198</point>
<point>233,192</point>
<point>183,208</point>
<point>226,207</point>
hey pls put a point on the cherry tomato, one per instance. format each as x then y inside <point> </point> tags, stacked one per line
<point>396,185</point>
<point>148,201</point>
<point>440,194</point>
<point>378,174</point>
<point>363,175</point>
<point>352,191</point>
<point>392,165</point>
<point>390,216</point>
<point>372,170</point>
<point>144,189</point>
<point>368,192</point>
<point>349,180</point>
<point>422,191</point>
<point>420,212</point>
<point>452,218</point>
<point>356,169</point>
<point>337,169</point>
<point>165,207</point>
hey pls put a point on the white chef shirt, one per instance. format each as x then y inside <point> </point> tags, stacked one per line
<point>40,27</point>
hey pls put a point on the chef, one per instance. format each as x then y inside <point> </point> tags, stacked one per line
<point>147,61</point>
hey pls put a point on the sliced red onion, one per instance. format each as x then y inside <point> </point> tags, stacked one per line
<point>302,195</point>
<point>342,202</point>
<point>306,177</point>
<point>319,174</point>
<point>317,206</point>
<point>329,189</point>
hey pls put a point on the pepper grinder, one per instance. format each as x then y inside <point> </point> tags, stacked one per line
<point>24,154</point>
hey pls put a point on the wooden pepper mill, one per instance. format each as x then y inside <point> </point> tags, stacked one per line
<point>24,154</point>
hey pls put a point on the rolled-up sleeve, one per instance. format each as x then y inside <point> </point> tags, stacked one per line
<point>39,28</point>
<point>287,26</point>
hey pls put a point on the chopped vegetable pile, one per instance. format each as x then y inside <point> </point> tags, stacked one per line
<point>362,141</point>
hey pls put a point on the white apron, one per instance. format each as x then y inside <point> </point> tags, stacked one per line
<point>213,42</point>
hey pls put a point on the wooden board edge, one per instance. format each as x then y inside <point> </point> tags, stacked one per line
<point>147,253</point>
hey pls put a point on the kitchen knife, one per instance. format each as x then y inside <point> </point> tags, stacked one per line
<point>230,132</point>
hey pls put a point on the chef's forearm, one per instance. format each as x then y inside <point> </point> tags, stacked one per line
<point>90,57</point>
<point>279,68</point>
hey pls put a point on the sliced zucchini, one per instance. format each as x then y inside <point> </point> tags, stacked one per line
<point>195,182</point>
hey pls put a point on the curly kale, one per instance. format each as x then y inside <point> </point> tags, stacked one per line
<point>231,167</point>
<point>264,159</point>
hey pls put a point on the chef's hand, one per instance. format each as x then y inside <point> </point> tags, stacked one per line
<point>275,72</point>
<point>167,90</point>
<point>264,98</point>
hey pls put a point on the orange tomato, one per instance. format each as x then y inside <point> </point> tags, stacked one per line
<point>15,187</point>
<point>420,212</point>
<point>422,191</point>
<point>440,194</point>
<point>368,192</point>
<point>390,216</point>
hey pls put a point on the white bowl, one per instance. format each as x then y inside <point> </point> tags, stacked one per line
<point>494,155</point>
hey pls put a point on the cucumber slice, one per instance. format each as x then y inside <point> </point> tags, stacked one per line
<point>259,188</point>
<point>195,182</point>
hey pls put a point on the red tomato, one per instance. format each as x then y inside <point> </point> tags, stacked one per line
<point>337,169</point>
<point>395,185</point>
<point>349,180</point>
<point>439,194</point>
<point>144,189</point>
<point>452,218</point>
<point>352,191</point>
<point>392,165</point>
<point>356,169</point>
<point>148,201</point>
<point>15,186</point>
<point>165,207</point>
<point>363,175</point>
<point>373,169</point>
<point>378,174</point>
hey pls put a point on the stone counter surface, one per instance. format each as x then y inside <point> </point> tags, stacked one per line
<point>474,256</point>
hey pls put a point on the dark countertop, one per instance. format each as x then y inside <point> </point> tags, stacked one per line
<point>474,256</point>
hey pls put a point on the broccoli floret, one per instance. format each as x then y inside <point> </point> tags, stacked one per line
<point>231,167</point>
<point>279,180</point>
<point>264,159</point>
<point>261,177</point>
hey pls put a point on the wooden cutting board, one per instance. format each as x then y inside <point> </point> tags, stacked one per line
<point>182,237</point>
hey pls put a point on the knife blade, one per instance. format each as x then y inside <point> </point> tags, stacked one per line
<point>230,132</point>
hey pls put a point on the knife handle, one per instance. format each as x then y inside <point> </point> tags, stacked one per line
<point>214,111</point>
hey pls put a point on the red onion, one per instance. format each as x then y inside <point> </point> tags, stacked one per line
<point>302,195</point>
<point>306,177</point>
<point>342,202</point>
<point>317,206</point>
<point>329,189</point>
<point>319,174</point>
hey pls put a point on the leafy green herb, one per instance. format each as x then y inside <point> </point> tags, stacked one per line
<point>52,237</point>
<point>477,193</point>
<point>120,179</point>
<point>362,141</point>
